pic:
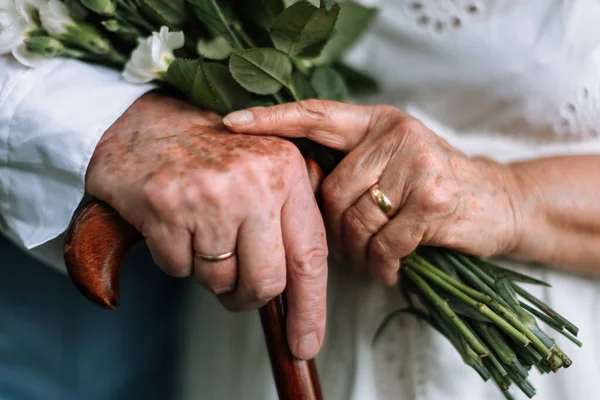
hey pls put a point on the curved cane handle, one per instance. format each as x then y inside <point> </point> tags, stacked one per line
<point>98,241</point>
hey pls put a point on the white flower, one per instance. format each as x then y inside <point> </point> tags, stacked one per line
<point>152,56</point>
<point>17,20</point>
<point>27,57</point>
<point>57,21</point>
<point>56,18</point>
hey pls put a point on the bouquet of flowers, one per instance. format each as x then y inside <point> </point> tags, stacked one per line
<point>225,55</point>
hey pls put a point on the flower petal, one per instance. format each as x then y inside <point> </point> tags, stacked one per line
<point>27,57</point>
<point>55,17</point>
<point>12,35</point>
<point>135,75</point>
<point>175,40</point>
<point>152,56</point>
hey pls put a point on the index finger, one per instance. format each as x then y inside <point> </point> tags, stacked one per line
<point>333,124</point>
<point>306,259</point>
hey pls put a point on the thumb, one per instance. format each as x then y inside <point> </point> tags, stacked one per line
<point>336,125</point>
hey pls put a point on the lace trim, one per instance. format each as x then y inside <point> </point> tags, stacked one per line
<point>444,15</point>
<point>580,116</point>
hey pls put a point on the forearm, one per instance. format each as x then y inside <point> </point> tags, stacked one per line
<point>558,212</point>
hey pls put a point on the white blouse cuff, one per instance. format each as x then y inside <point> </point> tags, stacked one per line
<point>52,119</point>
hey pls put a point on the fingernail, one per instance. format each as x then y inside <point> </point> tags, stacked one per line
<point>239,118</point>
<point>308,346</point>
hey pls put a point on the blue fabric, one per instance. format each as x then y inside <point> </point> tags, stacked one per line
<point>55,345</point>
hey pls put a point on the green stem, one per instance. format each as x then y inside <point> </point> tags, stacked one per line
<point>545,308</point>
<point>534,300</point>
<point>475,280</point>
<point>507,317</point>
<point>227,25</point>
<point>497,343</point>
<point>478,302</point>
<point>428,291</point>
<point>552,323</point>
<point>133,15</point>
<point>247,39</point>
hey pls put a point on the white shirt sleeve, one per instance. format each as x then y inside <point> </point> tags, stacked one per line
<point>51,119</point>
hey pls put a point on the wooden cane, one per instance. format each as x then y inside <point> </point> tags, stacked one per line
<point>95,247</point>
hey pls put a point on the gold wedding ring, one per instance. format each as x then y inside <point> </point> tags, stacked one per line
<point>219,257</point>
<point>382,201</point>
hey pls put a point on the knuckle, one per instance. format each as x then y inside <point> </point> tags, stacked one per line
<point>265,289</point>
<point>292,153</point>
<point>272,115</point>
<point>313,109</point>
<point>353,221</point>
<point>426,160</point>
<point>217,280</point>
<point>438,199</point>
<point>409,125</point>
<point>414,235</point>
<point>379,247</point>
<point>311,263</point>
<point>175,265</point>
<point>387,109</point>
<point>162,198</point>
<point>331,190</point>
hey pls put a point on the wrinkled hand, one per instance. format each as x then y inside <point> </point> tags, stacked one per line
<point>444,198</point>
<point>190,186</point>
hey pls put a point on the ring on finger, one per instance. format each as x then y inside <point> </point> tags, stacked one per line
<point>382,201</point>
<point>215,258</point>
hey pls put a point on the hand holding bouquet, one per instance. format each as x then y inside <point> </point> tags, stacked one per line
<point>230,55</point>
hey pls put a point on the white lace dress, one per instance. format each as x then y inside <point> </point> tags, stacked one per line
<point>505,78</point>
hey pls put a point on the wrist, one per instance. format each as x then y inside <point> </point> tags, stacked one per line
<point>116,136</point>
<point>509,200</point>
<point>533,237</point>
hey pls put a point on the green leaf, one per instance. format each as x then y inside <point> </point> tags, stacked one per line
<point>215,15</point>
<point>302,28</point>
<point>353,21</point>
<point>288,3</point>
<point>501,272</point>
<point>434,256</point>
<point>166,12</point>
<point>261,103</point>
<point>358,83</point>
<point>261,71</point>
<point>188,76</point>
<point>327,4</point>
<point>207,85</point>
<point>505,289</point>
<point>328,84</point>
<point>229,95</point>
<point>302,86</point>
<point>262,12</point>
<point>217,48</point>
<point>465,310</point>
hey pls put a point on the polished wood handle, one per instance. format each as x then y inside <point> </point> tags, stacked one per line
<point>95,247</point>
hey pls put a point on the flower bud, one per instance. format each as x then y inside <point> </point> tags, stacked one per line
<point>45,45</point>
<point>102,7</point>
<point>116,26</point>
<point>57,21</point>
<point>88,37</point>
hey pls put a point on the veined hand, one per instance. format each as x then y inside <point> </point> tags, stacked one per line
<point>190,187</point>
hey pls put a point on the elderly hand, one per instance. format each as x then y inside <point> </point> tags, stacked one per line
<point>443,197</point>
<point>191,188</point>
